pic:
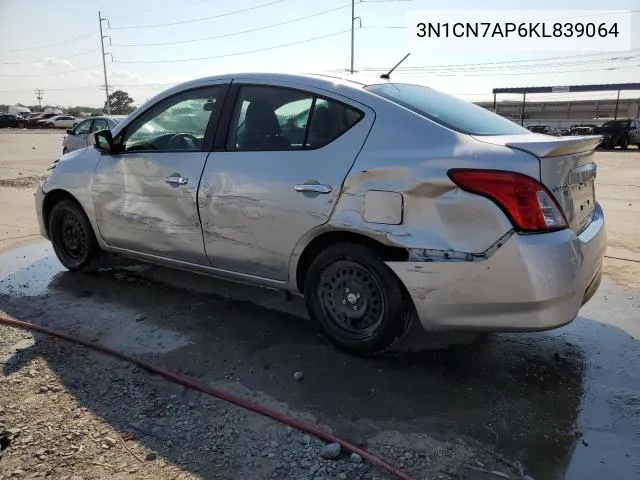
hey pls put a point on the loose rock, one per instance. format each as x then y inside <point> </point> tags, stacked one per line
<point>355,458</point>
<point>151,456</point>
<point>109,442</point>
<point>331,451</point>
<point>298,376</point>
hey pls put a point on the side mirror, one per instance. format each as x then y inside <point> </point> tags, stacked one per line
<point>70,131</point>
<point>103,141</point>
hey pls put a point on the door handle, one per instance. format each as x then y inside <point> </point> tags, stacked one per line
<point>313,187</point>
<point>176,180</point>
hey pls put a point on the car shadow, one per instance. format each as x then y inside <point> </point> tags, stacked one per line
<point>521,394</point>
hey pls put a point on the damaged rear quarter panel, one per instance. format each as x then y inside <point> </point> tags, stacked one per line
<point>410,155</point>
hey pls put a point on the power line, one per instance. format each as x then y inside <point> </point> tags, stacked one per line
<point>511,67</point>
<point>201,19</point>
<point>175,60</point>
<point>66,57</point>
<point>53,44</point>
<point>86,52</point>
<point>178,42</point>
<point>458,74</point>
<point>505,62</point>
<point>52,74</point>
<point>88,87</point>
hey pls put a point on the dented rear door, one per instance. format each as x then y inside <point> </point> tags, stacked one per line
<point>257,202</point>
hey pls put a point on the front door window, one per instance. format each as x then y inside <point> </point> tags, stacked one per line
<point>178,123</point>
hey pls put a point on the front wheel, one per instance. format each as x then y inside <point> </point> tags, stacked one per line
<point>355,299</point>
<point>72,237</point>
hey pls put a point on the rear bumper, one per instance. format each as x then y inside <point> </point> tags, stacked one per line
<point>532,282</point>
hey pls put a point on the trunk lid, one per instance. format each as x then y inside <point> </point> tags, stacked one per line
<point>567,169</point>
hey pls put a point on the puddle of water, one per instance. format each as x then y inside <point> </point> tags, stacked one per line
<point>29,270</point>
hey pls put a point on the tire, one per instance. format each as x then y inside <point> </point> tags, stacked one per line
<point>72,238</point>
<point>624,143</point>
<point>65,150</point>
<point>356,301</point>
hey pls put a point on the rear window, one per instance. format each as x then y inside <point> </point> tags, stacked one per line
<point>446,110</point>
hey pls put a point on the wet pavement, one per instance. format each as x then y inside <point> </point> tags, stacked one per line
<point>565,403</point>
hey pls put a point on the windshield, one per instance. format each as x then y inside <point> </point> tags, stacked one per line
<point>446,110</point>
<point>537,128</point>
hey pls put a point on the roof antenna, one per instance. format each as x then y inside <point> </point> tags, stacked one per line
<point>387,75</point>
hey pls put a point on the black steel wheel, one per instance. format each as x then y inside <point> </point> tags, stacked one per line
<point>355,299</point>
<point>72,237</point>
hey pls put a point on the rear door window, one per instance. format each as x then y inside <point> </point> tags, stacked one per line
<point>277,118</point>
<point>447,110</point>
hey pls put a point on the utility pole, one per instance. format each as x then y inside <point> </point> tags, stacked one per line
<point>615,114</point>
<point>353,26</point>
<point>104,61</point>
<point>39,96</point>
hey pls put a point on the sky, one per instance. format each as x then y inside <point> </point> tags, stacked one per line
<point>55,46</point>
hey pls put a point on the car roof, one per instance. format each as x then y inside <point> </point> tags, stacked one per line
<point>331,82</point>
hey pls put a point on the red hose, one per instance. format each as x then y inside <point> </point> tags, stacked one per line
<point>179,379</point>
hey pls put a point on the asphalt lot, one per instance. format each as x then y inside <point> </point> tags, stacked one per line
<point>563,404</point>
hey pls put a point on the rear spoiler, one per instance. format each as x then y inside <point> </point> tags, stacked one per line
<point>558,146</point>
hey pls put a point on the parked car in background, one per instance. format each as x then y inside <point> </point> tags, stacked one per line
<point>11,121</point>
<point>581,130</point>
<point>384,204</point>
<point>19,111</point>
<point>60,121</point>
<point>544,129</point>
<point>37,120</point>
<point>78,136</point>
<point>619,133</point>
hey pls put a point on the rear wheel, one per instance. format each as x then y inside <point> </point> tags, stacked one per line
<point>72,237</point>
<point>355,299</point>
<point>65,150</point>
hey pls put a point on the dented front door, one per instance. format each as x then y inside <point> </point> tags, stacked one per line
<point>145,196</point>
<point>146,202</point>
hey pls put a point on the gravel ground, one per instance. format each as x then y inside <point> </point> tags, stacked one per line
<point>165,431</point>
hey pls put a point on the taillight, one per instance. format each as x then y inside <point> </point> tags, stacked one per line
<point>526,202</point>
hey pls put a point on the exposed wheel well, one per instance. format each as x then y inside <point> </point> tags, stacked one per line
<point>331,238</point>
<point>50,200</point>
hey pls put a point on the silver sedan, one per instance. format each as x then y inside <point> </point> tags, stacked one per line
<point>381,203</point>
<point>78,136</point>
